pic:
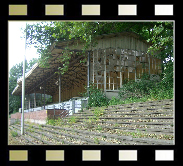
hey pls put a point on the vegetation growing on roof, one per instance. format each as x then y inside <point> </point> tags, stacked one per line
<point>44,34</point>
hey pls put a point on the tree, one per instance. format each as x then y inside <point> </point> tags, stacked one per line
<point>15,73</point>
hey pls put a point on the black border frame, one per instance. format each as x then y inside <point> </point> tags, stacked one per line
<point>73,154</point>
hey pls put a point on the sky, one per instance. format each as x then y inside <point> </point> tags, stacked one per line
<point>16,44</point>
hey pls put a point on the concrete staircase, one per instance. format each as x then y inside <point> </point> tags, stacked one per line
<point>142,123</point>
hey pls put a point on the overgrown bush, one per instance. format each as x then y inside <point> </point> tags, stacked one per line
<point>167,79</point>
<point>14,133</point>
<point>114,101</point>
<point>96,97</point>
<point>136,89</point>
<point>161,91</point>
<point>147,89</point>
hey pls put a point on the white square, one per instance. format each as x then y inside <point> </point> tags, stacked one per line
<point>127,155</point>
<point>163,9</point>
<point>164,155</point>
<point>91,155</point>
<point>127,9</point>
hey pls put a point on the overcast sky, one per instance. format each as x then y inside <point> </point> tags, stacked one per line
<point>16,44</point>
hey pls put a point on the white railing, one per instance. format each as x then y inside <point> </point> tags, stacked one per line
<point>73,106</point>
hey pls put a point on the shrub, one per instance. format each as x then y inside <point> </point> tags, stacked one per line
<point>72,119</point>
<point>89,123</point>
<point>98,112</point>
<point>96,97</point>
<point>114,101</point>
<point>50,121</point>
<point>161,92</point>
<point>14,133</point>
<point>136,89</point>
<point>145,89</point>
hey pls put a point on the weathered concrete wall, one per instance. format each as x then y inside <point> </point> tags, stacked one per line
<point>109,95</point>
<point>38,116</point>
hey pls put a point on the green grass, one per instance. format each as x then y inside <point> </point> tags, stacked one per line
<point>96,140</point>
<point>72,120</point>
<point>58,122</point>
<point>14,133</point>
<point>99,128</point>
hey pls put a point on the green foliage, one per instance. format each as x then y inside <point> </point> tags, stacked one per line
<point>135,90</point>
<point>98,112</point>
<point>50,122</point>
<point>147,89</point>
<point>14,133</point>
<point>161,91</point>
<point>96,140</point>
<point>99,128</point>
<point>159,34</point>
<point>168,73</point>
<point>59,122</point>
<point>96,97</point>
<point>44,34</point>
<point>89,123</point>
<point>55,122</point>
<point>72,119</point>
<point>114,101</point>
<point>14,73</point>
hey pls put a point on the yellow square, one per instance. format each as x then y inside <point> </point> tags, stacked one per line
<point>127,9</point>
<point>18,155</point>
<point>91,155</point>
<point>17,9</point>
<point>54,9</point>
<point>54,155</point>
<point>90,9</point>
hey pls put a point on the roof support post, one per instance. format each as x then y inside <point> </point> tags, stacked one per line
<point>34,98</point>
<point>88,78</point>
<point>149,64</point>
<point>59,81</point>
<point>44,92</point>
<point>41,99</point>
<point>28,101</point>
<point>105,55</point>
<point>121,78</point>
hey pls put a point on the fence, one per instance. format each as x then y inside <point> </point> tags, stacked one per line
<point>73,106</point>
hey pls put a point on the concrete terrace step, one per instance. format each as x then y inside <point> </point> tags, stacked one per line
<point>128,124</point>
<point>48,134</point>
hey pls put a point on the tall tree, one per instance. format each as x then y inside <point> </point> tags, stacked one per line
<point>15,73</point>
